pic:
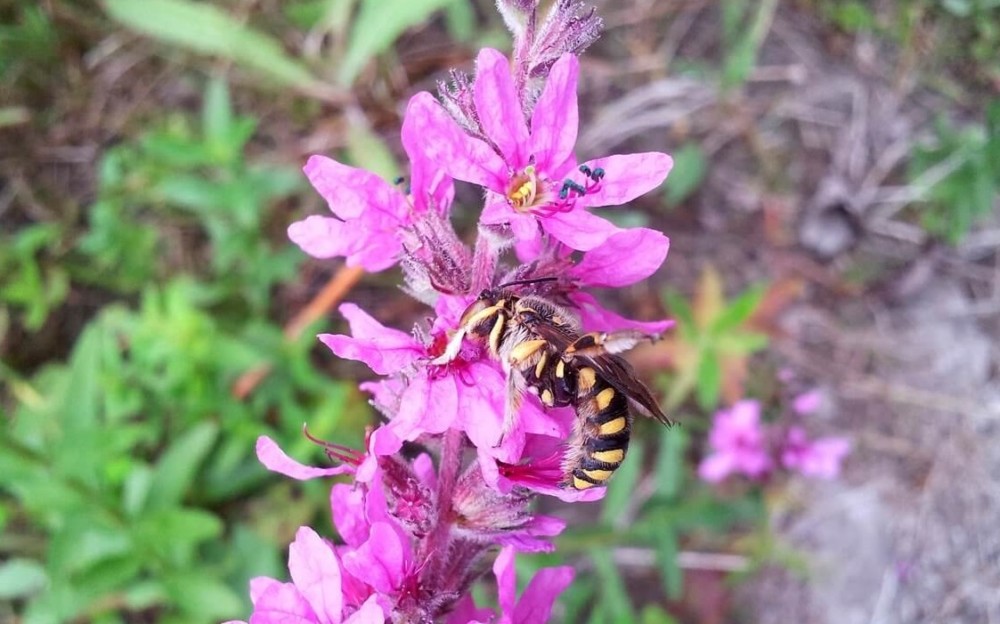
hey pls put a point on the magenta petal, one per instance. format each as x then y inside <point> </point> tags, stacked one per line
<point>383,349</point>
<point>316,573</point>
<point>450,148</point>
<point>465,612</point>
<point>260,585</point>
<point>347,503</point>
<point>627,257</point>
<point>350,191</point>
<point>579,229</point>
<point>555,119</point>
<point>594,317</point>
<point>807,402</point>
<point>381,561</point>
<point>627,177</point>
<point>275,460</point>
<point>428,405</point>
<point>427,180</point>
<point>536,602</point>
<point>322,237</point>
<point>716,467</point>
<point>369,613</point>
<point>503,569</point>
<point>283,604</point>
<point>423,467</point>
<point>499,108</point>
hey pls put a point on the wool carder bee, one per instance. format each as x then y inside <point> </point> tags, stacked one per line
<point>542,351</point>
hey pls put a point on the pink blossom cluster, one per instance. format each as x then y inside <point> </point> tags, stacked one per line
<point>414,532</point>
<point>741,444</point>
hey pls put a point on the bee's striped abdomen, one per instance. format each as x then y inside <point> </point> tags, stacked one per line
<point>605,426</point>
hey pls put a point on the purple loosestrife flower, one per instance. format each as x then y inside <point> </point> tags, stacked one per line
<point>534,605</point>
<point>738,444</point>
<point>530,172</point>
<point>814,458</point>
<point>468,394</point>
<point>399,542</point>
<point>371,214</point>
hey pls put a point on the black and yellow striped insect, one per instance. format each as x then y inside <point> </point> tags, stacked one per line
<point>542,351</point>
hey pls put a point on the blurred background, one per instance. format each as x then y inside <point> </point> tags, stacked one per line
<point>834,258</point>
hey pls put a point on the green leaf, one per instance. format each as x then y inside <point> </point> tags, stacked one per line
<point>203,597</point>
<point>741,343</point>
<point>622,486</point>
<point>20,578</point>
<point>653,614</point>
<point>670,462</point>
<point>79,404</point>
<point>204,28</point>
<point>667,552</point>
<point>368,151</point>
<point>178,467</point>
<point>378,24</point>
<point>709,380</point>
<point>614,599</point>
<point>216,111</point>
<point>680,308</point>
<point>739,310</point>
<point>688,173</point>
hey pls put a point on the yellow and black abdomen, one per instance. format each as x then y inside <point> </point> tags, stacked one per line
<point>604,425</point>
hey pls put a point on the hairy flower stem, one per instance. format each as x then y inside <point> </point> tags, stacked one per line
<point>437,544</point>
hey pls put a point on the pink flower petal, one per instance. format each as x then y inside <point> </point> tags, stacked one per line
<point>382,561</point>
<point>322,237</point>
<point>428,405</point>
<point>715,468</point>
<point>594,317</point>
<point>627,177</point>
<point>506,575</point>
<point>369,613</point>
<point>316,573</point>
<point>423,467</point>
<point>807,402</point>
<point>282,604</point>
<point>465,612</point>
<point>275,460</point>
<point>429,185</point>
<point>499,108</point>
<point>347,504</point>
<point>260,585</point>
<point>535,605</point>
<point>531,536</point>
<point>555,118</point>
<point>451,149</point>
<point>383,349</point>
<point>350,191</point>
<point>627,257</point>
<point>579,229</point>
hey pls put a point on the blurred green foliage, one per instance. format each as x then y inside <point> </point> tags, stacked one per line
<point>124,460</point>
<point>958,175</point>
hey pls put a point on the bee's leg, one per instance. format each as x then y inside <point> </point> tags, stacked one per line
<point>516,387</point>
<point>599,343</point>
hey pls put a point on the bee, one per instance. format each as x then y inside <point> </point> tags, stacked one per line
<point>542,350</point>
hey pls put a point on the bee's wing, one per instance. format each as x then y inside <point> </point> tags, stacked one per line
<point>623,378</point>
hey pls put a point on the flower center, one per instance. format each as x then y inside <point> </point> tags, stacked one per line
<point>524,189</point>
<point>530,191</point>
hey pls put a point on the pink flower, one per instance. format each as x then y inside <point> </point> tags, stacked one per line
<point>534,605</point>
<point>370,213</point>
<point>738,444</point>
<point>814,458</point>
<point>531,172</point>
<point>807,402</point>
<point>468,393</point>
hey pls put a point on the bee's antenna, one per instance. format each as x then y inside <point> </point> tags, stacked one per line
<point>535,280</point>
